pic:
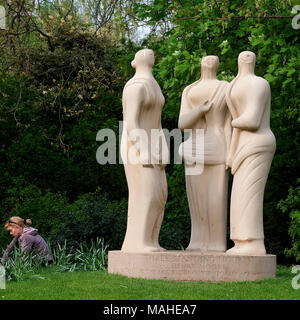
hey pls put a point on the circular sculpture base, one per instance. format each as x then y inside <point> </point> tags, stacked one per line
<point>192,266</point>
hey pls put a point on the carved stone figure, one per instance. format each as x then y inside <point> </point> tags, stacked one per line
<point>203,106</point>
<point>251,152</point>
<point>144,159</point>
<point>207,109</point>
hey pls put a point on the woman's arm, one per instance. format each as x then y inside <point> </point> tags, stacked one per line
<point>8,250</point>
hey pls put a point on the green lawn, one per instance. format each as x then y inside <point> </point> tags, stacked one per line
<point>101,286</point>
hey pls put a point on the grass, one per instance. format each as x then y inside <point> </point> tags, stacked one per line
<point>85,257</point>
<point>99,285</point>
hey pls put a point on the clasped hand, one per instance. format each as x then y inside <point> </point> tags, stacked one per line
<point>205,106</point>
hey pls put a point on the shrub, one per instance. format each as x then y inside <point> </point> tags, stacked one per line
<point>92,216</point>
<point>175,230</point>
<point>29,202</point>
<point>291,206</point>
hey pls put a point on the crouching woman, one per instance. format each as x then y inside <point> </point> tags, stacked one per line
<point>27,238</point>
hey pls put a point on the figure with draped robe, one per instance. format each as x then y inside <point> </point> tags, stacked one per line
<point>251,152</point>
<point>203,106</point>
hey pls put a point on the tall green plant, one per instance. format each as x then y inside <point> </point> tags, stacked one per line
<point>291,206</point>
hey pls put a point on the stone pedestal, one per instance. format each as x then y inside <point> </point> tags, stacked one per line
<point>192,266</point>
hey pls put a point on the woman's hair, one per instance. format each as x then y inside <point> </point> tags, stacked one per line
<point>17,221</point>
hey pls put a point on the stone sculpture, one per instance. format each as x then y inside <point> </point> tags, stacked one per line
<point>251,152</point>
<point>203,106</point>
<point>207,109</point>
<point>144,158</point>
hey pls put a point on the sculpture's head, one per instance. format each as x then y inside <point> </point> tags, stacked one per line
<point>143,57</point>
<point>247,57</point>
<point>210,62</point>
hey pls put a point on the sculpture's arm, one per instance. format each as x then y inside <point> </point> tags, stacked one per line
<point>230,106</point>
<point>257,100</point>
<point>188,117</point>
<point>160,152</point>
<point>228,130</point>
<point>135,97</point>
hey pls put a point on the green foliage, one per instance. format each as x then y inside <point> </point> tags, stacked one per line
<point>91,216</point>
<point>291,206</point>
<point>20,266</point>
<point>28,201</point>
<point>175,231</point>
<point>56,92</point>
<point>88,256</point>
<point>61,256</point>
<point>93,257</point>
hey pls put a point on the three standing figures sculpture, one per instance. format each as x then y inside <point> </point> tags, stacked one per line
<point>235,119</point>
